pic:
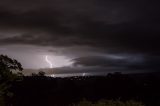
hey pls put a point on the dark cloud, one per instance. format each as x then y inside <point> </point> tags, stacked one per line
<point>124,40</point>
<point>98,61</point>
<point>129,63</point>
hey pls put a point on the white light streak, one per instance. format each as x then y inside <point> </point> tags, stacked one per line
<point>49,62</point>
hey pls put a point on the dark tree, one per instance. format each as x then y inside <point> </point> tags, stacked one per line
<point>10,70</point>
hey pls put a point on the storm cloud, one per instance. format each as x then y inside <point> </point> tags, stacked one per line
<point>85,31</point>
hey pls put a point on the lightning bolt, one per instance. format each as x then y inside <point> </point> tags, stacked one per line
<point>49,62</point>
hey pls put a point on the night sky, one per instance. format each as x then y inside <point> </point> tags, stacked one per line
<point>82,36</point>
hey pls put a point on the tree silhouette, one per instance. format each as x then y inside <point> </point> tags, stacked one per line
<point>41,73</point>
<point>10,70</point>
<point>34,74</point>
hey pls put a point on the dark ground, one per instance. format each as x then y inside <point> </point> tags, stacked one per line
<point>47,91</point>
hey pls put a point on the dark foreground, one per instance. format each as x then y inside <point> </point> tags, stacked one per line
<point>47,91</point>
